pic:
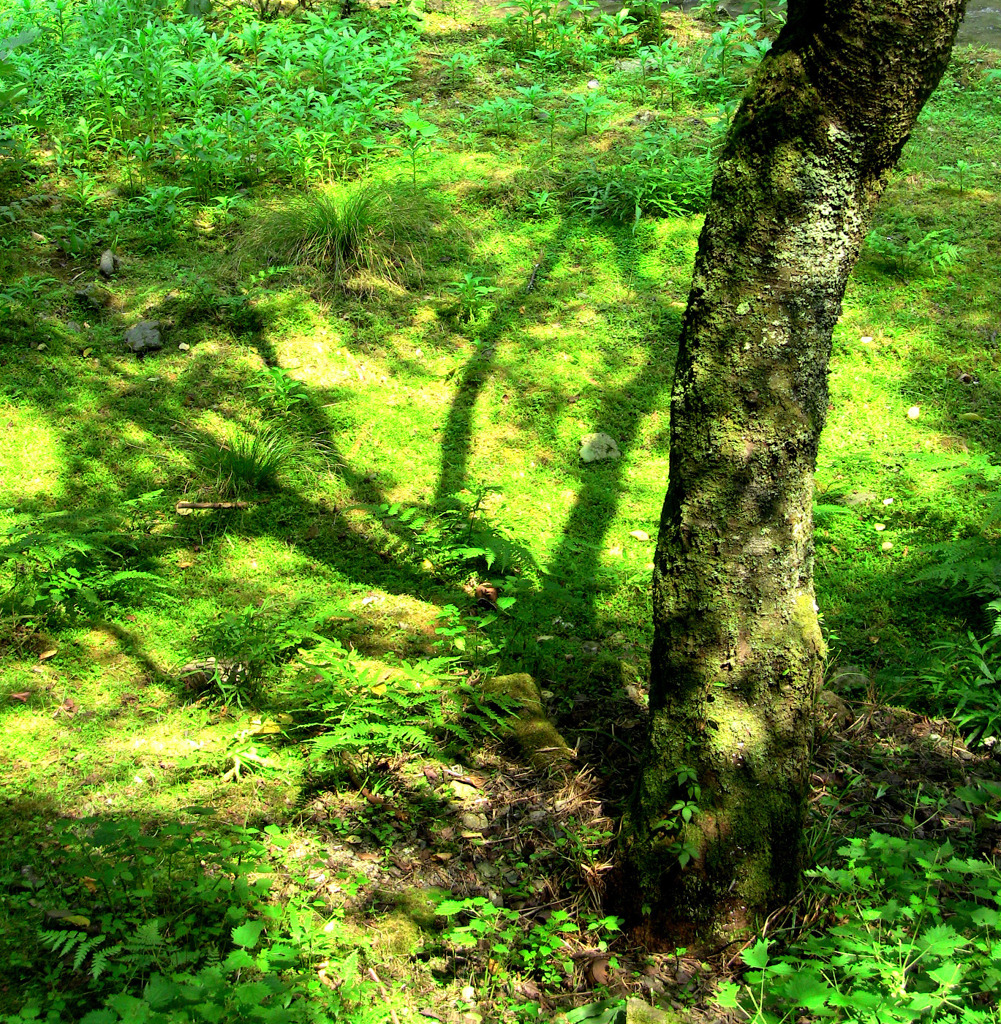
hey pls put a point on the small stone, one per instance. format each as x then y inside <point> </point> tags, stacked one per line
<point>109,264</point>
<point>463,791</point>
<point>183,347</point>
<point>41,347</point>
<point>854,498</point>
<point>887,545</point>
<point>594,84</point>
<point>473,821</point>
<point>598,447</point>
<point>94,296</point>
<point>866,340</point>
<point>468,994</point>
<point>879,527</point>
<point>144,337</point>
<point>74,327</point>
<point>914,412</point>
<point>849,677</point>
<point>639,534</point>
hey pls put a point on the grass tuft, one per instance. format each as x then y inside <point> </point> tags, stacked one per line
<point>373,230</point>
<point>245,461</point>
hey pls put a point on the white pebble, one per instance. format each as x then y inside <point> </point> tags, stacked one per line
<point>914,412</point>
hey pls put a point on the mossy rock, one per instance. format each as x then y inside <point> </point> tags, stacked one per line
<point>420,905</point>
<point>396,934</point>
<point>638,1012</point>
<point>540,740</point>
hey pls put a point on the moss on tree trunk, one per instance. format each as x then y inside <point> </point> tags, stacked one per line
<point>738,649</point>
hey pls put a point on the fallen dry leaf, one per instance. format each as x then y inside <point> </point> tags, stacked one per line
<point>51,653</point>
<point>22,697</point>
<point>597,971</point>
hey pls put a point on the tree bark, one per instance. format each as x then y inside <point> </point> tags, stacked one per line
<point>737,652</point>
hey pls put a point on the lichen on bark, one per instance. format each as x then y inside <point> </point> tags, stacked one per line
<point>735,666</point>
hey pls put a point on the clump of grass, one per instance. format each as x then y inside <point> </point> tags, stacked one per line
<point>245,461</point>
<point>373,230</point>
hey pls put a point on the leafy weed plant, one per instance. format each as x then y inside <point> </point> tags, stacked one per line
<point>963,683</point>
<point>510,942</point>
<point>919,942</point>
<point>156,924</point>
<point>281,390</point>
<point>61,569</point>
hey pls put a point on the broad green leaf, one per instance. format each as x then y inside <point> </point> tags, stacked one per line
<point>449,907</point>
<point>807,990</point>
<point>726,996</point>
<point>948,975</point>
<point>249,934</point>
<point>238,960</point>
<point>608,1011</point>
<point>756,955</point>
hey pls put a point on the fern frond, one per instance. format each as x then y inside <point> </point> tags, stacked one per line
<point>101,959</point>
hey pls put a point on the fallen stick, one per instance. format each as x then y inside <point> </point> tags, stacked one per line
<point>211,504</point>
<point>384,993</point>
<point>531,281</point>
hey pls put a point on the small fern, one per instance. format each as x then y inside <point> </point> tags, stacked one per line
<point>364,716</point>
<point>102,958</point>
<point>457,538</point>
<point>71,568</point>
<point>76,946</point>
<point>972,565</point>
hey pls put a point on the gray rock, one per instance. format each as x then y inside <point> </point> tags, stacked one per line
<point>93,296</point>
<point>847,678</point>
<point>832,712</point>
<point>473,821</point>
<point>853,498</point>
<point>629,65</point>
<point>144,337</point>
<point>598,447</point>
<point>199,675</point>
<point>109,264</point>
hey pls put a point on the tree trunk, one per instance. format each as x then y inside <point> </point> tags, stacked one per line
<point>737,651</point>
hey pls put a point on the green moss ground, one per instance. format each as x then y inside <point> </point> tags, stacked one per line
<point>415,395</point>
